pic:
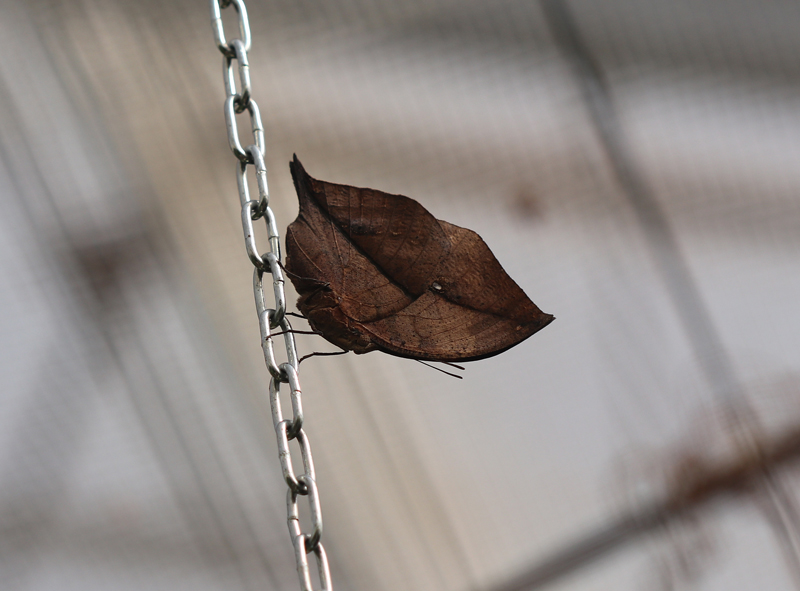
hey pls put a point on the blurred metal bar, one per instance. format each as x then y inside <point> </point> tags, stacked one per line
<point>691,310</point>
<point>705,483</point>
<point>780,510</point>
<point>670,261</point>
<point>93,273</point>
<point>584,551</point>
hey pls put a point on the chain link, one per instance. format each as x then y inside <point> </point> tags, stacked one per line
<point>286,430</point>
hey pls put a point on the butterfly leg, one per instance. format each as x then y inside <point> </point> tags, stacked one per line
<point>320,354</point>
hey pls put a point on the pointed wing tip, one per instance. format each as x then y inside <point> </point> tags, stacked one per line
<point>532,329</point>
<point>529,329</point>
<point>543,321</point>
<point>535,322</point>
<point>299,176</point>
<point>297,168</point>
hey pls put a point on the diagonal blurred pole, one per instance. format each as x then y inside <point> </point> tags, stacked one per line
<point>670,261</point>
<point>780,510</point>
<point>686,298</point>
<point>707,483</point>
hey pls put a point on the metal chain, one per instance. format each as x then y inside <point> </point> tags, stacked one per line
<point>286,430</point>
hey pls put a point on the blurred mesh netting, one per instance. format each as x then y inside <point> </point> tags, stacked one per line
<point>633,166</point>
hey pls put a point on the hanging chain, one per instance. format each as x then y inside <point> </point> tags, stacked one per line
<point>269,319</point>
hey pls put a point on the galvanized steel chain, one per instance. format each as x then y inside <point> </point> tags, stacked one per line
<point>237,102</point>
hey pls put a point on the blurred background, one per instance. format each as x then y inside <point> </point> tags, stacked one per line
<point>631,163</point>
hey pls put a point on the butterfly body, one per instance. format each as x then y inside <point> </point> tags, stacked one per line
<point>321,308</point>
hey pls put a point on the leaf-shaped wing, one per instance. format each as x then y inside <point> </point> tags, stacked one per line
<point>380,271</point>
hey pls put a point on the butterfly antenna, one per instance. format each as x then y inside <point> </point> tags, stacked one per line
<point>452,365</point>
<point>296,315</point>
<point>441,370</point>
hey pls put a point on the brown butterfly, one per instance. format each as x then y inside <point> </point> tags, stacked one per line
<point>378,272</point>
